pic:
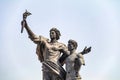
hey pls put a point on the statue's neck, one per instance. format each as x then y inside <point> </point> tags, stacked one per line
<point>72,51</point>
<point>53,41</point>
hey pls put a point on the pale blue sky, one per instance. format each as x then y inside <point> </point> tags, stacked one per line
<point>93,23</point>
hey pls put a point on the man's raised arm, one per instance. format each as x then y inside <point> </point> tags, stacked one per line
<point>24,24</point>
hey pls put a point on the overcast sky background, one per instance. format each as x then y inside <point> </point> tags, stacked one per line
<point>93,23</point>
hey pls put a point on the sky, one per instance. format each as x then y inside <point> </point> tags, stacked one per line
<point>94,23</point>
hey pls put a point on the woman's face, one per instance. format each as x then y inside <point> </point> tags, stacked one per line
<point>70,46</point>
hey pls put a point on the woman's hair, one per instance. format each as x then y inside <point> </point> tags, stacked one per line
<point>57,32</point>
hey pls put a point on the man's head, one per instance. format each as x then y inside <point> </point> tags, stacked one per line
<point>54,33</point>
<point>72,45</point>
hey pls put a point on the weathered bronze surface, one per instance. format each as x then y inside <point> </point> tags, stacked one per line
<point>53,54</point>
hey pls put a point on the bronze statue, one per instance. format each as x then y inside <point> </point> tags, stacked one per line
<point>74,61</point>
<point>49,52</point>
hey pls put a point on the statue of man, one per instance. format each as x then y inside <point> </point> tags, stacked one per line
<point>74,61</point>
<point>49,53</point>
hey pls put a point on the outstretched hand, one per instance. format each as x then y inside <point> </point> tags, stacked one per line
<point>86,50</point>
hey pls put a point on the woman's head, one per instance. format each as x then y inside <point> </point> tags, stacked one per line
<point>72,44</point>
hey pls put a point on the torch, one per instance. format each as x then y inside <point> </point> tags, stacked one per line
<point>25,14</point>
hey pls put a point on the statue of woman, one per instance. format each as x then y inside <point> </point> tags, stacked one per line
<point>74,61</point>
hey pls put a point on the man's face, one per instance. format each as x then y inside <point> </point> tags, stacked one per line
<point>70,46</point>
<point>52,34</point>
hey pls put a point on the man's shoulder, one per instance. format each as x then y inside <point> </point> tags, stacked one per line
<point>42,38</point>
<point>61,44</point>
<point>79,55</point>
